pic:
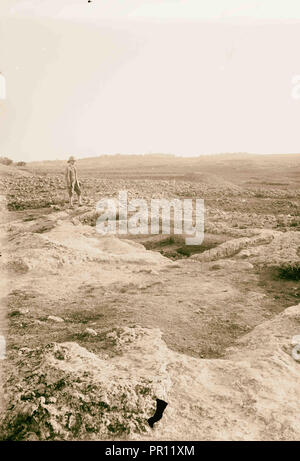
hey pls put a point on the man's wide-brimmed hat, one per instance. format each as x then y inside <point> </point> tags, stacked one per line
<point>71,159</point>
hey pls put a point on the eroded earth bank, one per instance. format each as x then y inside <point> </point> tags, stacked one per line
<point>99,327</point>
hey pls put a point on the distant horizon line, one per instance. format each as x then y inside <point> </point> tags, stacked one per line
<point>161,154</point>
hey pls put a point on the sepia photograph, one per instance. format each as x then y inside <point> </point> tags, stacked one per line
<point>150,223</point>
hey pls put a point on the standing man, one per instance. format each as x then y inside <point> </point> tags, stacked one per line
<point>73,184</point>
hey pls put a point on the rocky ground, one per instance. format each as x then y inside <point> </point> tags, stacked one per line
<point>99,327</point>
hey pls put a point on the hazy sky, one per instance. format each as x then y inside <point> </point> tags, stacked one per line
<point>132,76</point>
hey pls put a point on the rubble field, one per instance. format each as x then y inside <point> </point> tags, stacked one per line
<point>99,327</point>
